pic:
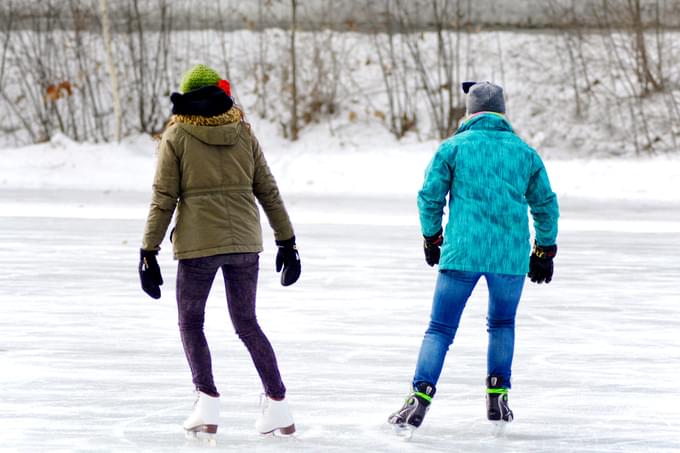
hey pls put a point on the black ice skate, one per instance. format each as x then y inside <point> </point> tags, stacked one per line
<point>412,413</point>
<point>497,409</point>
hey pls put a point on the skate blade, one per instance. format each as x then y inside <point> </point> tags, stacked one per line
<point>208,429</point>
<point>208,439</point>
<point>286,431</point>
<point>404,431</point>
<point>202,433</point>
<point>498,428</point>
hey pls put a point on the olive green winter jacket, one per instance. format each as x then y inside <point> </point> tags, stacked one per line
<point>212,175</point>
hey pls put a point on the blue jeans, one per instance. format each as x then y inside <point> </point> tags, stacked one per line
<point>451,293</point>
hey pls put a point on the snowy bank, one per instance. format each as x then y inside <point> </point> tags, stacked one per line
<point>374,166</point>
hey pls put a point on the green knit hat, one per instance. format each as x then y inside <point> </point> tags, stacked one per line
<point>197,77</point>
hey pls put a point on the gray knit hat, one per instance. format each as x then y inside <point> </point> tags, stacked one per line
<point>483,97</point>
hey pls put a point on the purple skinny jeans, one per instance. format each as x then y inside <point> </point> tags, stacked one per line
<point>194,280</point>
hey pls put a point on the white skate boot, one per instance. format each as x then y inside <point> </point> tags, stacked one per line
<point>205,417</point>
<point>275,417</point>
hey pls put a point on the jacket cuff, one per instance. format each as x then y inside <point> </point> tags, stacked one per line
<point>545,251</point>
<point>434,236</point>
<point>287,243</point>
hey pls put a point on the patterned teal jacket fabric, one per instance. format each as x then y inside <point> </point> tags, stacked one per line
<point>491,176</point>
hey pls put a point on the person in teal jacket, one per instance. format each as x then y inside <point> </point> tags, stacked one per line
<point>491,178</point>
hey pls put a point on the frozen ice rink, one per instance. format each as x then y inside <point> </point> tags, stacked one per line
<point>89,363</point>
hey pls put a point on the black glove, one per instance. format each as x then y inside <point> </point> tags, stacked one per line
<point>541,263</point>
<point>288,259</point>
<point>150,273</point>
<point>431,246</point>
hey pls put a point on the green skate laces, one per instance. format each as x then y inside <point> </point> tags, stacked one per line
<point>497,391</point>
<point>424,396</point>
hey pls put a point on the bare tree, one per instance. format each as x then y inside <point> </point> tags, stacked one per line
<point>38,69</point>
<point>5,44</point>
<point>149,60</point>
<point>263,68</point>
<point>115,94</point>
<point>223,44</point>
<point>644,72</point>
<point>391,52</point>
<point>294,129</point>
<point>564,16</point>
<point>308,81</point>
<point>443,99</point>
<point>6,34</point>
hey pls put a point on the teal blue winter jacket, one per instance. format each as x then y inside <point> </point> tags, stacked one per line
<point>491,176</point>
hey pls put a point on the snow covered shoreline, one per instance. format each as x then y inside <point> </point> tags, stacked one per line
<point>380,168</point>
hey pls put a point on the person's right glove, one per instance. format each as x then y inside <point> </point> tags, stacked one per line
<point>432,246</point>
<point>541,263</point>
<point>288,259</point>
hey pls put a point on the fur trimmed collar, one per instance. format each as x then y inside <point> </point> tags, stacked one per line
<point>233,115</point>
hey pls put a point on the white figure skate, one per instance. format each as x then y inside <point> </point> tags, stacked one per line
<point>205,417</point>
<point>276,418</point>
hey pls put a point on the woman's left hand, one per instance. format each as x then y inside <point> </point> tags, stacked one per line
<point>288,259</point>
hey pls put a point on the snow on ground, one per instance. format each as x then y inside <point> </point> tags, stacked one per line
<point>372,165</point>
<point>90,363</point>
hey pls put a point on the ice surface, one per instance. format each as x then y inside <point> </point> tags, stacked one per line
<point>89,363</point>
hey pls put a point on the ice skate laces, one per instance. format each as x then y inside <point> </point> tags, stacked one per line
<point>263,402</point>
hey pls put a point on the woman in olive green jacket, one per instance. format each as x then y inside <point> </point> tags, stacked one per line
<point>211,170</point>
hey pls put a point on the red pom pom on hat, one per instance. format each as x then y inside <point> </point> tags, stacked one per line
<point>225,85</point>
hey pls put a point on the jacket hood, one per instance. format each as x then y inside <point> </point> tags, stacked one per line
<point>226,134</point>
<point>487,121</point>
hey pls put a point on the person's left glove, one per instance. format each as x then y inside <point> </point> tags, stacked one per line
<point>288,259</point>
<point>150,273</point>
<point>541,263</point>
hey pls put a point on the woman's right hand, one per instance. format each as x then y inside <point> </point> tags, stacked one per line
<point>150,273</point>
<point>432,246</point>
